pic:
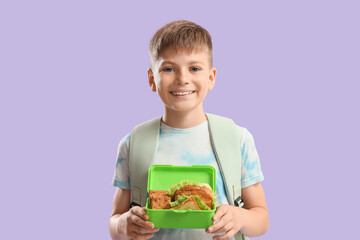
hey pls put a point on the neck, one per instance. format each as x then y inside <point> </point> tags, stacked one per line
<point>183,119</point>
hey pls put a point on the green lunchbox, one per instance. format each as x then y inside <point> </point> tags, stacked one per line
<point>162,177</point>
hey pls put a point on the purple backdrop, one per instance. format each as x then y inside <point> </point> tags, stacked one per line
<point>73,83</point>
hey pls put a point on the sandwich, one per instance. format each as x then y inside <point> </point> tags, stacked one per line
<point>183,195</point>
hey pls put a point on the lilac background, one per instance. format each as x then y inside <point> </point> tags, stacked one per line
<point>73,83</point>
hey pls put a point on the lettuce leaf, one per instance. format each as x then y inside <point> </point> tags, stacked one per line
<point>184,183</point>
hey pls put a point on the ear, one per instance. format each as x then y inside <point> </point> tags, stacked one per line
<point>151,80</point>
<point>212,78</point>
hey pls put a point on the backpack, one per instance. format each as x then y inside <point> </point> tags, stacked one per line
<point>225,141</point>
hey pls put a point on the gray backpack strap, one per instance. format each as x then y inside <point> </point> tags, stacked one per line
<point>143,147</point>
<point>226,142</point>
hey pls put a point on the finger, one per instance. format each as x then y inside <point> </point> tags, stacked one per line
<point>219,226</point>
<point>138,236</point>
<point>139,212</point>
<point>220,211</point>
<point>138,229</point>
<point>227,235</point>
<point>140,222</point>
<point>224,228</point>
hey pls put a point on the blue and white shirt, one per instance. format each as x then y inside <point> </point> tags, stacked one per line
<point>186,147</point>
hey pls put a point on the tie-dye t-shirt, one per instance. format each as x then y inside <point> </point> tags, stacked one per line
<point>186,147</point>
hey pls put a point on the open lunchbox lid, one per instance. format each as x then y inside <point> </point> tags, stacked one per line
<point>162,177</point>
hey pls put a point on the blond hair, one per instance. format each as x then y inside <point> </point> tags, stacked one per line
<point>180,34</point>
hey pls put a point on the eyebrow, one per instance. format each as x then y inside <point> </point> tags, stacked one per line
<point>197,62</point>
<point>167,62</point>
<point>190,63</point>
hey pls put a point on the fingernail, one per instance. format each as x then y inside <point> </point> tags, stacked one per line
<point>210,229</point>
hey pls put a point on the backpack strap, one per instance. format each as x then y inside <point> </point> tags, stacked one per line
<point>226,142</point>
<point>143,145</point>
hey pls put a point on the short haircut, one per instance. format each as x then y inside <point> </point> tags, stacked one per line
<point>180,34</point>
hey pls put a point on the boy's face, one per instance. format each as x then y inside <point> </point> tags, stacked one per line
<point>182,79</point>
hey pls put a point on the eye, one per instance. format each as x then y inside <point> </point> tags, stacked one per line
<point>195,69</point>
<point>168,69</point>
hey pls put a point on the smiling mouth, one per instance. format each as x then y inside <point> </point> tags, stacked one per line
<point>182,93</point>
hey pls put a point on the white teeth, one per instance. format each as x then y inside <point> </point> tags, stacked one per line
<point>181,93</point>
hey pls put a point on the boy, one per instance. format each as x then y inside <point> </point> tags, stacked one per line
<point>181,73</point>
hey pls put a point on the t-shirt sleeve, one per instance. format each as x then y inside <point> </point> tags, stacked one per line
<point>121,177</point>
<point>250,166</point>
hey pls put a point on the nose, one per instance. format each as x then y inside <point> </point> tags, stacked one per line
<point>183,77</point>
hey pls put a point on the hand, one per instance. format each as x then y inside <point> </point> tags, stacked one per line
<point>227,219</point>
<point>134,224</point>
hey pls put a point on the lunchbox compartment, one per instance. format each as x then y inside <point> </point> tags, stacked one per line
<point>162,177</point>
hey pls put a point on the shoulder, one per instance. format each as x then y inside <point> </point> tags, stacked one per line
<point>124,142</point>
<point>125,139</point>
<point>221,120</point>
<point>246,138</point>
<point>244,133</point>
